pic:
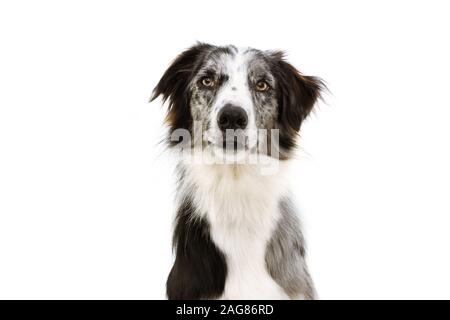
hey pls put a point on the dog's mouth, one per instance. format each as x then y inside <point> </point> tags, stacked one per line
<point>235,144</point>
<point>230,145</point>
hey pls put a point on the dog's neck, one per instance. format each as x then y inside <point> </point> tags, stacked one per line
<point>235,193</point>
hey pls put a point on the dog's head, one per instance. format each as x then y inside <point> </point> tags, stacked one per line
<point>230,96</point>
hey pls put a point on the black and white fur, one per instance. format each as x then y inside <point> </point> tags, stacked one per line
<point>237,235</point>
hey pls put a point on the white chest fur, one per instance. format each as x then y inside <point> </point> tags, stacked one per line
<point>241,206</point>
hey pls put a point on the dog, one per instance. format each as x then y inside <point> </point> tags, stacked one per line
<point>236,234</point>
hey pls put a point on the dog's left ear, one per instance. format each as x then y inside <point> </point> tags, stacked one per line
<point>297,93</point>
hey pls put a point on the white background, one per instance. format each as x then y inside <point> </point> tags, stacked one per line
<point>86,191</point>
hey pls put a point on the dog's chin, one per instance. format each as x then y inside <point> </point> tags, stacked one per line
<point>229,151</point>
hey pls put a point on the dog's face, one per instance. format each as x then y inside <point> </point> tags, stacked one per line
<point>235,98</point>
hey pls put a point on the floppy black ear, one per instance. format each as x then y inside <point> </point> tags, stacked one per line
<point>297,93</point>
<point>174,84</point>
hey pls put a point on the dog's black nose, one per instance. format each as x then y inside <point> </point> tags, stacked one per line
<point>232,117</point>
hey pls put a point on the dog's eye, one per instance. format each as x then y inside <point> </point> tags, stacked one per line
<point>262,86</point>
<point>208,82</point>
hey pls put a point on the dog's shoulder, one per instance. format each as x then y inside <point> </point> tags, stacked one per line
<point>285,254</point>
<point>199,270</point>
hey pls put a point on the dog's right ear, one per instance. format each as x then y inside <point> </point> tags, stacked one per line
<point>173,85</point>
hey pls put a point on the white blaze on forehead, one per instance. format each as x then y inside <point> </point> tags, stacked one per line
<point>236,90</point>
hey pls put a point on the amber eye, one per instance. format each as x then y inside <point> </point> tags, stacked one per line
<point>262,86</point>
<point>208,82</point>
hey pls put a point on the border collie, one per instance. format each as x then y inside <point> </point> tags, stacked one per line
<point>234,114</point>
